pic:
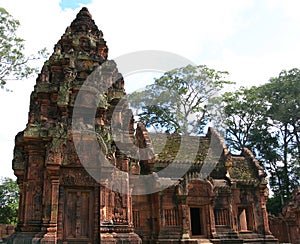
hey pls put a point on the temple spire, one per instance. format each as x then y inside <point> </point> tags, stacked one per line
<point>83,23</point>
<point>82,37</point>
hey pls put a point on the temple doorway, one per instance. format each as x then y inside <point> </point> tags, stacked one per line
<point>245,219</point>
<point>78,216</point>
<point>196,221</point>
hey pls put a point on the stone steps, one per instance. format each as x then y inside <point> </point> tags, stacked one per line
<point>187,241</point>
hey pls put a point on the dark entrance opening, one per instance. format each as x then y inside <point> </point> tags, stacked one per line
<point>196,221</point>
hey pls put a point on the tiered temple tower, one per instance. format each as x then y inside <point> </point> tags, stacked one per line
<point>56,154</point>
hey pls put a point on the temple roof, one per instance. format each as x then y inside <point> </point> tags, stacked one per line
<point>166,148</point>
<point>195,150</point>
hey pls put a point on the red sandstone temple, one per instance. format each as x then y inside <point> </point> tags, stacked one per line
<point>63,199</point>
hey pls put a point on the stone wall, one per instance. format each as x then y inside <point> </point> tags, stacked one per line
<point>5,231</point>
<point>286,227</point>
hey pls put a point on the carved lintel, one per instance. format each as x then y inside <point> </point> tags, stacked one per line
<point>76,177</point>
<point>53,171</point>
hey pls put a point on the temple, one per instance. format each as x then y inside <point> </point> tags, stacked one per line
<point>81,160</point>
<point>220,199</point>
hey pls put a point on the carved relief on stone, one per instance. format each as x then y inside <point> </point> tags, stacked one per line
<point>54,154</point>
<point>70,156</point>
<point>85,43</point>
<point>34,201</point>
<point>119,211</point>
<point>55,150</point>
<point>103,50</point>
<point>135,168</point>
<point>199,188</point>
<point>34,109</point>
<point>76,177</point>
<point>244,197</point>
<point>63,93</point>
<point>37,200</point>
<point>57,74</point>
<point>34,169</point>
<point>19,160</point>
<point>44,76</point>
<point>33,172</point>
<point>44,110</point>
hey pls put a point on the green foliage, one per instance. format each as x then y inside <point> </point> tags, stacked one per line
<point>283,93</point>
<point>9,201</point>
<point>244,115</point>
<point>13,61</point>
<point>179,101</point>
<point>274,205</point>
<point>266,119</point>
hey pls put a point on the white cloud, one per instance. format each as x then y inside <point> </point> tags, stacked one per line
<point>167,25</point>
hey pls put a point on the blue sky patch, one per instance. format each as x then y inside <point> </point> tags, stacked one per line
<point>72,4</point>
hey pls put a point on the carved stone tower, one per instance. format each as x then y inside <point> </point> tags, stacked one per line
<point>60,201</point>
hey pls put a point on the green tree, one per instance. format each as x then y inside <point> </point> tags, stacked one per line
<point>9,201</point>
<point>179,101</point>
<point>14,64</point>
<point>266,119</point>
<point>283,93</point>
<point>243,114</point>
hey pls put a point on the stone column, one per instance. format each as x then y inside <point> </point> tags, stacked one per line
<point>21,206</point>
<point>129,209</point>
<point>212,219</point>
<point>51,226</point>
<point>263,195</point>
<point>54,199</point>
<point>233,209</point>
<point>33,189</point>
<point>185,217</point>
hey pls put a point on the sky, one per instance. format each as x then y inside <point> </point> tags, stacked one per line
<point>251,39</point>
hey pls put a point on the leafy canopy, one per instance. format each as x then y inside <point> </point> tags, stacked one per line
<point>9,201</point>
<point>13,61</point>
<point>266,119</point>
<point>179,101</point>
<point>244,113</point>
